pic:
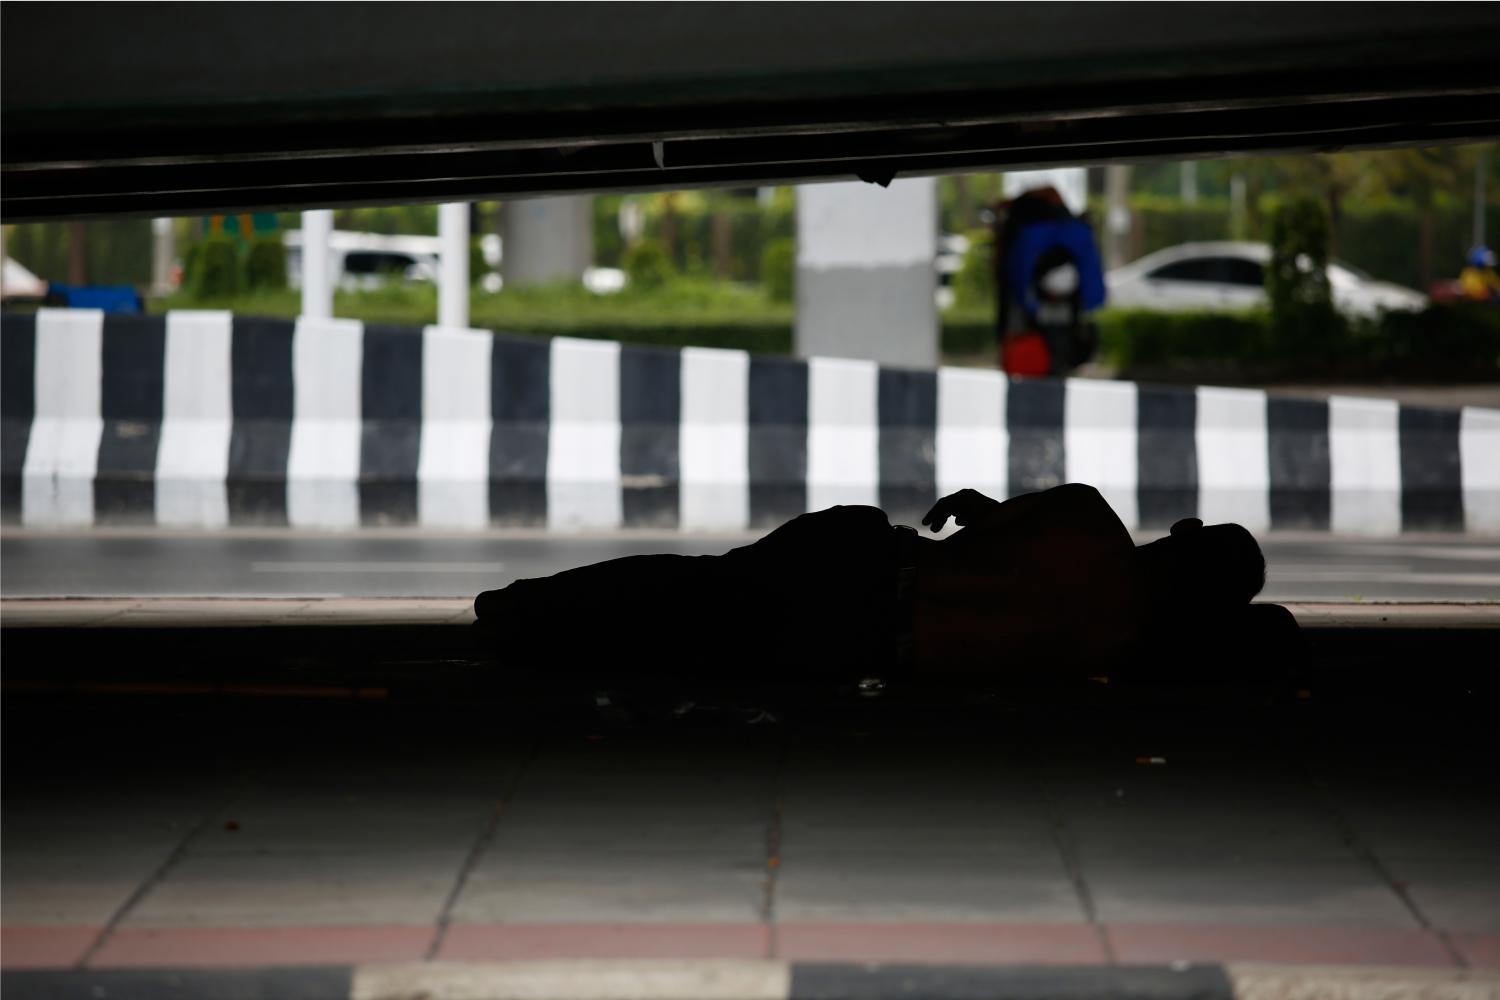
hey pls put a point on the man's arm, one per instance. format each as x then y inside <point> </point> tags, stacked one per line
<point>981,516</point>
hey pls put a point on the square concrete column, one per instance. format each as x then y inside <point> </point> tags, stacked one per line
<point>453,273</point>
<point>866,279</point>
<point>546,239</point>
<point>317,266</point>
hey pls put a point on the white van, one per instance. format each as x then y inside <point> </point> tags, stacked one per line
<point>368,260</point>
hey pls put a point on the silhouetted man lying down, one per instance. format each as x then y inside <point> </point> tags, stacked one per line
<point>1040,582</point>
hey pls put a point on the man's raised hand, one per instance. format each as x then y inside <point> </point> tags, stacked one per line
<point>965,507</point>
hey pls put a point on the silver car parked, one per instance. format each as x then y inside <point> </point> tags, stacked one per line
<point>1232,275</point>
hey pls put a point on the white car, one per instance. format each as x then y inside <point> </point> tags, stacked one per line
<point>368,260</point>
<point>1232,275</point>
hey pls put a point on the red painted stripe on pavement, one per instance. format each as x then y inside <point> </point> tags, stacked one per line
<point>1157,943</point>
<point>1482,951</point>
<point>248,946</point>
<point>496,942</point>
<point>1052,944</point>
<point>36,947</point>
<point>29,947</point>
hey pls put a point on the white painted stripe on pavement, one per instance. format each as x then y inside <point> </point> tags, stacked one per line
<point>323,464</point>
<point>843,433</point>
<point>453,463</point>
<point>583,448</point>
<point>973,444</point>
<point>1099,441</point>
<point>576,979</point>
<point>192,460</point>
<point>1364,461</point>
<point>1234,466</point>
<point>1266,981</point>
<point>714,440</point>
<point>1479,460</point>
<point>62,454</point>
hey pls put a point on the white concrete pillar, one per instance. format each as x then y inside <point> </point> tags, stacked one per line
<point>317,264</point>
<point>453,274</point>
<point>866,274</point>
<point>546,239</point>
<point>162,252</point>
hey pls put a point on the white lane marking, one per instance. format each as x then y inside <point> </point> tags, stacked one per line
<point>375,567</point>
<point>1466,553</point>
<point>1356,575</point>
<point>630,979</point>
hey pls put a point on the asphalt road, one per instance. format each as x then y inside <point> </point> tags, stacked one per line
<point>383,563</point>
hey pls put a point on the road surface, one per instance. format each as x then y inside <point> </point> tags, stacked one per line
<point>385,563</point>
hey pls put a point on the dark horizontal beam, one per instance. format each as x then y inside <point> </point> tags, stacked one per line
<point>162,109</point>
<point>294,183</point>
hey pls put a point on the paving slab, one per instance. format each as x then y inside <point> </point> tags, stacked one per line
<point>76,846</point>
<point>271,890</point>
<point>1341,893</point>
<point>606,833</point>
<point>1457,894</point>
<point>1480,951</point>
<point>909,834</point>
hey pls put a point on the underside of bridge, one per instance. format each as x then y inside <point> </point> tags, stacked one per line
<point>163,109</point>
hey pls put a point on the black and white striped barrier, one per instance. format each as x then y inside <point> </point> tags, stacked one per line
<point>203,419</point>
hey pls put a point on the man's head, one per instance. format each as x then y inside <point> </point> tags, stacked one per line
<point>1199,567</point>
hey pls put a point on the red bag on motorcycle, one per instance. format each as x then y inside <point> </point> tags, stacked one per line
<point>1025,354</point>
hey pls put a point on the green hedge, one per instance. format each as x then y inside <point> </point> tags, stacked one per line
<point>265,264</point>
<point>1448,342</point>
<point>1439,343</point>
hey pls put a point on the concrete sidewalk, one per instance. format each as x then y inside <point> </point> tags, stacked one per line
<point>1183,826</point>
<point>138,835</point>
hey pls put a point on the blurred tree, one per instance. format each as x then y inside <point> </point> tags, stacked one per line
<point>974,284</point>
<point>78,254</point>
<point>1303,320</point>
<point>265,264</point>
<point>1424,176</point>
<point>647,265</point>
<point>778,269</point>
<point>215,268</point>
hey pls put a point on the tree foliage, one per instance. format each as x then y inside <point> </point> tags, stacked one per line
<point>1302,314</point>
<point>647,265</point>
<point>778,270</point>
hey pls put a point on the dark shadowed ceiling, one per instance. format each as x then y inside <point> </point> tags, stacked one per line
<point>122,108</point>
